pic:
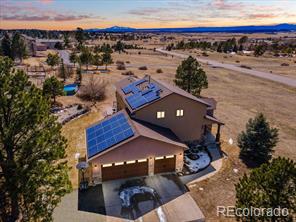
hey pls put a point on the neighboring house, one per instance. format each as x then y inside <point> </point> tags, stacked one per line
<point>36,45</point>
<point>150,132</point>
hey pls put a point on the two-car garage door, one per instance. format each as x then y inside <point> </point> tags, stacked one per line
<point>137,168</point>
<point>125,169</point>
<point>164,164</point>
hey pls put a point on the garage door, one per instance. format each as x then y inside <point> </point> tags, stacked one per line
<point>165,164</point>
<point>125,169</point>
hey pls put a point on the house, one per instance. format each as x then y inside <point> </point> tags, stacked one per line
<point>150,132</point>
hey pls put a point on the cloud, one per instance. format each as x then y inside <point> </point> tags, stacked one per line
<point>46,1</point>
<point>29,12</point>
<point>58,17</point>
<point>262,16</point>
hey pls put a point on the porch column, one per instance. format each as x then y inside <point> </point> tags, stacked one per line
<point>97,172</point>
<point>179,162</point>
<point>218,133</point>
<point>151,166</point>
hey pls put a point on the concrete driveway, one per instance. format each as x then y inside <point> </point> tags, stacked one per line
<point>167,187</point>
<point>104,198</point>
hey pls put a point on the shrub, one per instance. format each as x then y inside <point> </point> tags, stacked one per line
<point>159,71</point>
<point>120,66</point>
<point>93,90</point>
<point>237,61</point>
<point>245,67</point>
<point>118,62</point>
<point>205,54</point>
<point>128,62</point>
<point>143,68</point>
<point>284,64</point>
<point>128,73</point>
<point>139,53</point>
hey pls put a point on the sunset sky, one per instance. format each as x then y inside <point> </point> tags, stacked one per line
<point>69,14</point>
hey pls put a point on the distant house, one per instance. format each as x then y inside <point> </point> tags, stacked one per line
<point>150,132</point>
<point>49,43</point>
<point>36,45</point>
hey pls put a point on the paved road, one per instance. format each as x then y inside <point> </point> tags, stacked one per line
<point>64,54</point>
<point>265,75</point>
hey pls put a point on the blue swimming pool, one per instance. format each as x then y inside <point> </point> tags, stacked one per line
<point>70,89</point>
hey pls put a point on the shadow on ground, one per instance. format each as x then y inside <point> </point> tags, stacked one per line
<point>92,200</point>
<point>104,198</point>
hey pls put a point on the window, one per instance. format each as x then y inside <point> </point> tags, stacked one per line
<point>160,114</point>
<point>119,163</point>
<point>159,158</point>
<point>180,112</point>
<point>142,160</point>
<point>130,162</point>
<point>170,156</point>
<point>107,165</point>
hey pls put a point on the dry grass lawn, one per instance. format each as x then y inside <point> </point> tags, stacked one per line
<point>266,63</point>
<point>239,98</point>
<point>219,190</point>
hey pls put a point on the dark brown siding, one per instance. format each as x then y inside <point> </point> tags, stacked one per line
<point>124,171</point>
<point>165,165</point>
<point>188,127</point>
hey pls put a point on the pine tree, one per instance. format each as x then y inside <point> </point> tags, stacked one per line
<point>80,37</point>
<point>52,88</point>
<point>86,57</point>
<point>52,59</point>
<point>97,60</point>
<point>241,48</point>
<point>191,77</point>
<point>18,47</point>
<point>272,185</point>
<point>34,175</point>
<point>106,59</point>
<point>119,47</point>
<point>6,46</point>
<point>73,58</point>
<point>62,71</point>
<point>258,141</point>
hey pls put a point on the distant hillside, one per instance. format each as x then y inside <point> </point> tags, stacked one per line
<point>239,29</point>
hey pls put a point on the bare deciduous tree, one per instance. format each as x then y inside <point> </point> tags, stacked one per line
<point>93,90</point>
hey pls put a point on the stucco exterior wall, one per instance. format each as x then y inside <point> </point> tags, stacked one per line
<point>120,103</point>
<point>189,127</point>
<point>139,148</point>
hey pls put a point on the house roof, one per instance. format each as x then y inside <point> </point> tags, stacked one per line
<point>165,90</point>
<point>213,119</point>
<point>156,132</point>
<point>139,128</point>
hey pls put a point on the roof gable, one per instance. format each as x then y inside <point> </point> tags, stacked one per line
<point>107,133</point>
<point>133,92</point>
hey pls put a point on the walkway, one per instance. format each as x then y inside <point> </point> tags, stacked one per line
<point>265,75</point>
<point>212,169</point>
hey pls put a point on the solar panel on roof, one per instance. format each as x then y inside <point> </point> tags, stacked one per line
<point>132,86</point>
<point>141,97</point>
<point>107,133</point>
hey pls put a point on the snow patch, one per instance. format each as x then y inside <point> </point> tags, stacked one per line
<point>161,215</point>
<point>195,165</point>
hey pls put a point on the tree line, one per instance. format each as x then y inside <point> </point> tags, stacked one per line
<point>13,47</point>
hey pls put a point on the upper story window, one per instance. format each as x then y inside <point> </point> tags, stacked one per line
<point>180,112</point>
<point>160,114</point>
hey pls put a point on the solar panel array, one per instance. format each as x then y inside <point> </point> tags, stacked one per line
<point>141,97</point>
<point>107,133</point>
<point>133,87</point>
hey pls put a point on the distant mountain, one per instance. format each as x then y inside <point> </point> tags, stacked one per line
<point>239,29</point>
<point>113,29</point>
